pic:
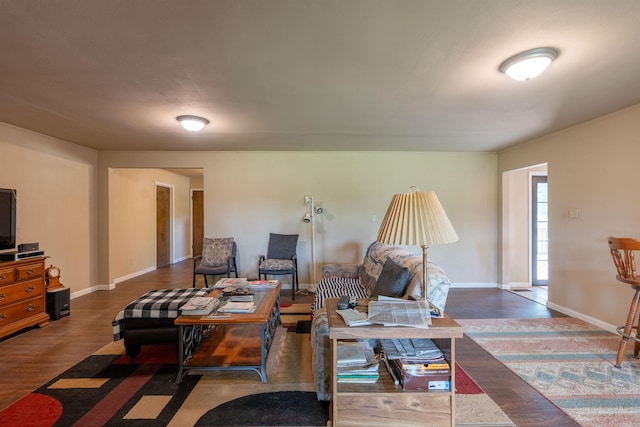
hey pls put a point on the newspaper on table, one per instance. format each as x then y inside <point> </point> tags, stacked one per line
<point>421,349</point>
<point>415,314</point>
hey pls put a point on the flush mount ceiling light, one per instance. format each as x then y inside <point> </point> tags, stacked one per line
<point>192,123</point>
<point>530,63</point>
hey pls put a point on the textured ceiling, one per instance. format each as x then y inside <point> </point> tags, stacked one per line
<point>311,74</point>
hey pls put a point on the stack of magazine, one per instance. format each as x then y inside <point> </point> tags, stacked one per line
<point>200,306</point>
<point>238,307</point>
<point>416,361</point>
<point>356,362</point>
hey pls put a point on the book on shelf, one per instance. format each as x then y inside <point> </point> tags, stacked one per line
<point>416,364</point>
<point>238,307</point>
<point>350,353</point>
<point>356,363</point>
<point>359,379</point>
<point>199,306</point>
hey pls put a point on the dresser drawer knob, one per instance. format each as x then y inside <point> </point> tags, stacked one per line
<point>1,276</point>
<point>31,272</point>
<point>2,296</point>
<point>2,316</point>
<point>29,289</point>
<point>30,307</point>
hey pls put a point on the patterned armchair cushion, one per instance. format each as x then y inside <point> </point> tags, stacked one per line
<point>276,264</point>
<point>216,252</point>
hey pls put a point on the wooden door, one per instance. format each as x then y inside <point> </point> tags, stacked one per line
<point>163,226</point>
<point>197,211</point>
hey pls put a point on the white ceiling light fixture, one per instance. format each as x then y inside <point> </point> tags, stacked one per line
<point>530,63</point>
<point>192,123</point>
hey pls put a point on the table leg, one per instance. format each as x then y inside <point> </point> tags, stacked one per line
<point>180,354</point>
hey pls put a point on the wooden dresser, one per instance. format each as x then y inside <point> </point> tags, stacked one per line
<point>22,295</point>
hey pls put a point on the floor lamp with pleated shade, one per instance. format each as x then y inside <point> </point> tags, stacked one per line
<point>417,218</point>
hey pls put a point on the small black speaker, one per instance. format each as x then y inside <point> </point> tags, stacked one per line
<point>58,303</point>
<point>26,247</point>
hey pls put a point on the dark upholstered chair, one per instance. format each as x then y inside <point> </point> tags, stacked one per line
<point>218,257</point>
<point>281,259</point>
<point>623,253</point>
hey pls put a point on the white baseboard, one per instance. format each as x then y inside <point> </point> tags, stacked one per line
<point>564,310</point>
<point>512,285</point>
<point>132,275</point>
<point>92,289</point>
<point>110,286</point>
<point>474,285</point>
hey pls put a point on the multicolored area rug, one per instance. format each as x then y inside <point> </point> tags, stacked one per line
<point>105,389</point>
<point>291,314</point>
<point>568,361</point>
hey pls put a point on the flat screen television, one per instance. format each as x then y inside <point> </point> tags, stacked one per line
<point>8,202</point>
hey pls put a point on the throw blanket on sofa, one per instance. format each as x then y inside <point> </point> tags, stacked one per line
<point>335,287</point>
<point>158,304</point>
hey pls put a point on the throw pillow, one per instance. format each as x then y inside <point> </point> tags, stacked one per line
<point>392,281</point>
<point>215,252</point>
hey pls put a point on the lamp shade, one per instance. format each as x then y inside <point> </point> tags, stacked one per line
<point>416,218</point>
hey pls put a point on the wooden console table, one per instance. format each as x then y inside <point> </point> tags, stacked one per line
<point>22,295</point>
<point>384,403</point>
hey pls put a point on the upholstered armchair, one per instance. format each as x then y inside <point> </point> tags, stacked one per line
<point>281,259</point>
<point>218,257</point>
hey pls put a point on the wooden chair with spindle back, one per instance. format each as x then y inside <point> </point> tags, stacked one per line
<point>623,253</point>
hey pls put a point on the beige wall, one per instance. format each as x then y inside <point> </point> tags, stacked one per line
<point>591,167</point>
<point>250,194</point>
<point>57,202</point>
<point>132,209</point>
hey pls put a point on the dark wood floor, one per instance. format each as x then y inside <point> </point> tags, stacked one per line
<point>35,356</point>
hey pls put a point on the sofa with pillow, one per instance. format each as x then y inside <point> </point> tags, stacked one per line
<point>386,270</point>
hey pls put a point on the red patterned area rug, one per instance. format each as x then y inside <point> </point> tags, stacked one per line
<point>105,389</point>
<point>570,362</point>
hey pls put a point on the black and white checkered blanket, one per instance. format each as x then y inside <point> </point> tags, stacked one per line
<point>158,304</point>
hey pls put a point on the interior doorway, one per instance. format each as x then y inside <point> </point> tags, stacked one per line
<point>197,221</point>
<point>163,225</point>
<point>539,230</point>
<point>524,252</point>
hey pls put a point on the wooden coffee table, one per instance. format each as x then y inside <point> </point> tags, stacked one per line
<point>238,342</point>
